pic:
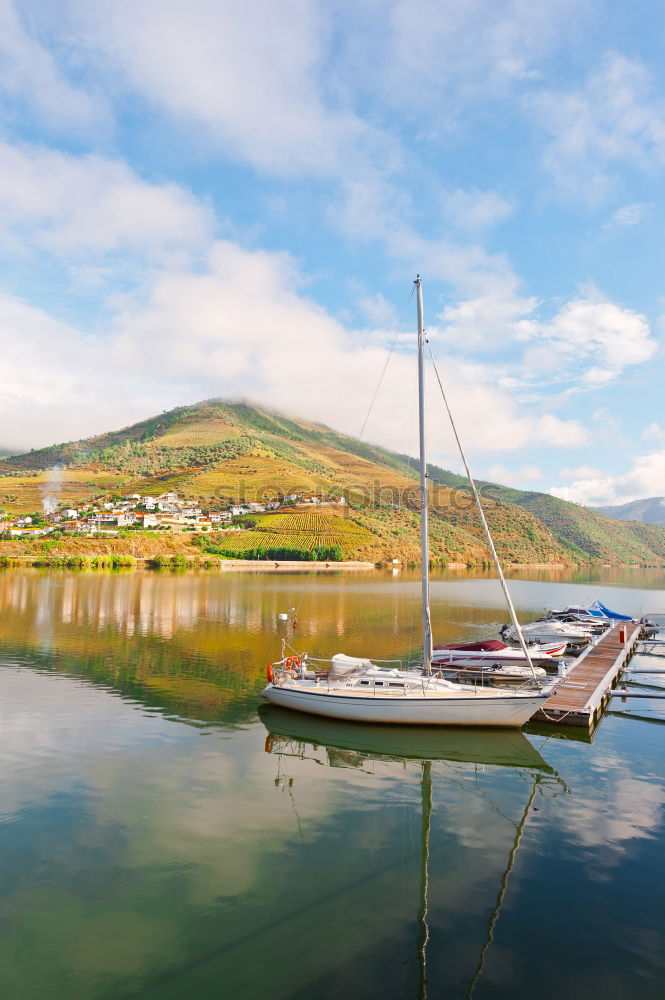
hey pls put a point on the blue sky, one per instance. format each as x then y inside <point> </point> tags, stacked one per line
<point>232,198</point>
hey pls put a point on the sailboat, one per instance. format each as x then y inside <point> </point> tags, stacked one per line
<point>359,690</point>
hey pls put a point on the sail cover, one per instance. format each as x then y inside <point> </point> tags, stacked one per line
<point>345,666</point>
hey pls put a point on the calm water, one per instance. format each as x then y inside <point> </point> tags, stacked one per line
<point>160,838</point>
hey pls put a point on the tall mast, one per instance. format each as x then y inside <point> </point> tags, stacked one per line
<point>424,549</point>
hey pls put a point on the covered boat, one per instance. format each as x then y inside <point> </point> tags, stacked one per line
<point>496,654</point>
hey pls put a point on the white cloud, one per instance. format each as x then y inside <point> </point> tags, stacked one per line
<point>654,432</point>
<point>616,117</point>
<point>497,316</point>
<point>646,478</point>
<point>29,73</point>
<point>581,472</point>
<point>238,327</point>
<point>587,343</point>
<point>473,209</point>
<point>75,205</point>
<point>441,57</point>
<point>54,379</point>
<point>631,215</point>
<point>248,76</point>
<point>596,339</point>
<point>514,477</point>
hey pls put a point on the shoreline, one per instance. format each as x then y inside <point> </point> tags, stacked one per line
<point>116,561</point>
<point>97,562</point>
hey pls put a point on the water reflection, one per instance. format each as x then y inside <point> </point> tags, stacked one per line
<point>149,846</point>
<point>341,744</point>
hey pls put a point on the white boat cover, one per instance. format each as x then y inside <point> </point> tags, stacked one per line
<point>343,665</point>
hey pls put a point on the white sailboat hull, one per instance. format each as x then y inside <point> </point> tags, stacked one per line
<point>482,709</point>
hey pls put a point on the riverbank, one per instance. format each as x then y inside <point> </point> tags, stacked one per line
<point>175,562</point>
<point>174,558</point>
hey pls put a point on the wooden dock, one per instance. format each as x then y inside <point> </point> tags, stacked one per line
<point>581,698</point>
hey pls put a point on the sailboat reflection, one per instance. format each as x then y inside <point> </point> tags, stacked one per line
<point>348,744</point>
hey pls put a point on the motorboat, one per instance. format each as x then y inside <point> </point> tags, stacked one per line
<point>359,689</point>
<point>575,635</point>
<point>595,613</point>
<point>496,655</point>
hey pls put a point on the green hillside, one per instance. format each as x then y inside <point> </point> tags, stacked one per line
<point>219,451</point>
<point>585,533</point>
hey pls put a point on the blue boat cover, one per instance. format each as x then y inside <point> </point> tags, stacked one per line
<point>613,614</point>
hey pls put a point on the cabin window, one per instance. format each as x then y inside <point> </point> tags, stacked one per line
<point>395,684</point>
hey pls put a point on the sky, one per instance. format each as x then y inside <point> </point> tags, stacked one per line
<point>223,198</point>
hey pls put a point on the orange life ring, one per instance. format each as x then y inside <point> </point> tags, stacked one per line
<point>292,662</point>
<point>269,673</point>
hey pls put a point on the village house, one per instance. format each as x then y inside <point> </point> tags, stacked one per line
<point>167,506</point>
<point>148,520</point>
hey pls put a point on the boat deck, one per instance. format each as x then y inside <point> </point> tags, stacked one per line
<point>581,698</point>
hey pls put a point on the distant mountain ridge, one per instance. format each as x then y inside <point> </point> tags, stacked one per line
<point>217,451</point>
<point>649,511</point>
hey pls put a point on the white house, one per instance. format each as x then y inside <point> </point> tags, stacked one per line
<point>149,520</point>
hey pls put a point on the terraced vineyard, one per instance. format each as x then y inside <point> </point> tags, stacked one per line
<point>300,532</point>
<point>324,524</point>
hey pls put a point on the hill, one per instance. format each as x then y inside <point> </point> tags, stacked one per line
<point>649,511</point>
<point>218,451</point>
<point>584,533</point>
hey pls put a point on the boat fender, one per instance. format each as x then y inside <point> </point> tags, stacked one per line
<point>269,673</point>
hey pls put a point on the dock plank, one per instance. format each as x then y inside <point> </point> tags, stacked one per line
<point>580,698</point>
